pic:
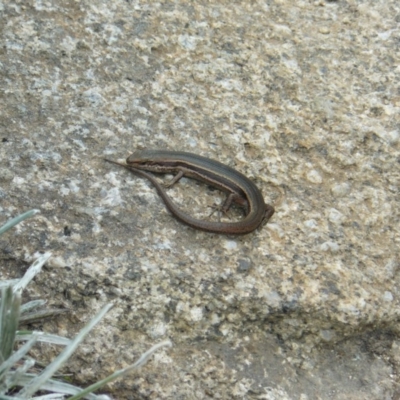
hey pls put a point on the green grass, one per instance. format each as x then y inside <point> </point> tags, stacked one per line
<point>17,379</point>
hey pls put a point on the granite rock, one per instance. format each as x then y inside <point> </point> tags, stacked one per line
<point>303,98</point>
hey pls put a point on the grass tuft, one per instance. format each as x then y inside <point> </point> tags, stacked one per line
<point>17,382</point>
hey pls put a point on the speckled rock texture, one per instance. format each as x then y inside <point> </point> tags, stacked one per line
<point>303,97</point>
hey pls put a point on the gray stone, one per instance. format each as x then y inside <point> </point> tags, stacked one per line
<point>302,97</point>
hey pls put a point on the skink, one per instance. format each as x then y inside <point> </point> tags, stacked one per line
<point>239,188</point>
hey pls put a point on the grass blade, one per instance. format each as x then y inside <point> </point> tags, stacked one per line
<point>142,360</point>
<point>32,271</point>
<point>9,315</point>
<point>8,225</point>
<point>39,381</point>
<point>10,282</point>
<point>43,337</point>
<point>6,365</point>
<point>60,387</point>
<point>32,305</point>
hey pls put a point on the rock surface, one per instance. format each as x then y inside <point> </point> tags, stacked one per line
<point>303,98</point>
